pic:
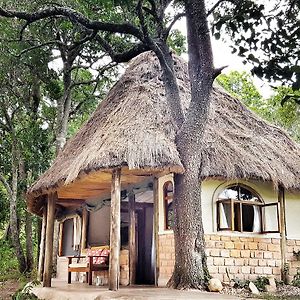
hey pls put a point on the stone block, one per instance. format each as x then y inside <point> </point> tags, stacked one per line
<point>271,263</point>
<point>273,247</point>
<point>219,261</point>
<point>267,270</point>
<point>239,245</point>
<point>225,238</point>
<point>233,270</point>
<point>215,237</point>
<point>252,246</point>
<point>253,262</point>
<point>219,244</point>
<point>215,252</point>
<point>276,241</point>
<point>245,253</point>
<point>210,261</point>
<point>229,245</point>
<point>239,262</point>
<point>225,253</point>
<point>206,237</point>
<point>235,253</point>
<point>245,270</point>
<point>259,254</point>
<point>262,262</point>
<point>222,270</point>
<point>246,239</point>
<point>268,255</point>
<point>291,242</point>
<point>229,261</point>
<point>258,270</point>
<point>262,246</point>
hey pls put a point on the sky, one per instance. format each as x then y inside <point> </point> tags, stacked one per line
<point>224,57</point>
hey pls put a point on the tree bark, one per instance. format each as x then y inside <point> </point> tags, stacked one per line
<point>13,219</point>
<point>41,255</point>
<point>29,251</point>
<point>190,269</point>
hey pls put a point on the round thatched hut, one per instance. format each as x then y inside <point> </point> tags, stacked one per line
<point>127,148</point>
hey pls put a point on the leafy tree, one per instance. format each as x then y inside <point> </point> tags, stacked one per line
<point>266,34</point>
<point>142,25</point>
<point>285,115</point>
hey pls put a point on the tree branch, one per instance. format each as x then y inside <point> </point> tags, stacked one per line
<point>74,17</point>
<point>6,185</point>
<point>175,19</point>
<point>124,56</point>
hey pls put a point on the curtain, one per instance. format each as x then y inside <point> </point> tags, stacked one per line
<point>76,232</point>
<point>223,217</point>
<point>256,219</point>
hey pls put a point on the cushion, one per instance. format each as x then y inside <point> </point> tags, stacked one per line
<point>98,252</point>
<point>78,265</point>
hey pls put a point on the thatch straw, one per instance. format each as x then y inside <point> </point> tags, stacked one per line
<point>132,127</point>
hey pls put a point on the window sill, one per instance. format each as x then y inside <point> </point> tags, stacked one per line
<point>246,234</point>
<point>166,231</point>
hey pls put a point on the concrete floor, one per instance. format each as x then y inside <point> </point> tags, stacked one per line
<point>81,291</point>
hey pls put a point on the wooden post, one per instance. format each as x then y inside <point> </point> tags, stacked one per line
<point>281,200</point>
<point>61,238</point>
<point>132,238</point>
<point>84,228</point>
<point>156,228</point>
<point>115,227</point>
<point>49,239</point>
<point>42,245</point>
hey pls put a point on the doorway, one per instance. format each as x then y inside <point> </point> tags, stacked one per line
<point>145,248</point>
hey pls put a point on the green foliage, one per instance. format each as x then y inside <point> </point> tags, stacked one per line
<point>240,85</point>
<point>285,115</point>
<point>261,282</point>
<point>272,29</point>
<point>296,279</point>
<point>8,262</point>
<point>297,254</point>
<point>26,292</point>
<point>177,42</point>
<point>240,284</point>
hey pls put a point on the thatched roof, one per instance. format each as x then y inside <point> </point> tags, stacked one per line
<point>132,127</point>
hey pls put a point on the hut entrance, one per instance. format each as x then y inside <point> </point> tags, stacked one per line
<point>145,245</point>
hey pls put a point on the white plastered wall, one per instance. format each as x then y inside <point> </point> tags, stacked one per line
<point>212,188</point>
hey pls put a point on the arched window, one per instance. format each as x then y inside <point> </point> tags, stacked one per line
<point>168,204</point>
<point>240,208</point>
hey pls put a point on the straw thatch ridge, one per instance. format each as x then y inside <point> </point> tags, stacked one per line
<point>132,127</point>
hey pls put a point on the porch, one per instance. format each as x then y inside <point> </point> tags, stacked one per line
<point>61,290</point>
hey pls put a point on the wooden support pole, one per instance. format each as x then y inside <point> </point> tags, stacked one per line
<point>61,237</point>
<point>156,228</point>
<point>84,228</point>
<point>115,228</point>
<point>49,239</point>
<point>42,245</point>
<point>132,238</point>
<point>281,200</point>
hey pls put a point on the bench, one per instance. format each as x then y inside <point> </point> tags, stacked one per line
<point>95,260</point>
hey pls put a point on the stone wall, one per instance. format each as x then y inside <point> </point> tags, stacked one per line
<point>228,257</point>
<point>293,263</point>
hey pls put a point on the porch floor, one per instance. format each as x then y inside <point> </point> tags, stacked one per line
<point>82,291</point>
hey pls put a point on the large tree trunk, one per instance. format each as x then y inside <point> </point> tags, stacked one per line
<point>13,219</point>
<point>190,269</point>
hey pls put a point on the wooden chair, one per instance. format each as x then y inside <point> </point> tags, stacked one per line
<point>87,267</point>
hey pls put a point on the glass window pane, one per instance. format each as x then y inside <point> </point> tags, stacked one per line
<point>270,218</point>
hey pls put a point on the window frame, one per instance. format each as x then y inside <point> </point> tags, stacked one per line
<point>166,198</point>
<point>232,216</point>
